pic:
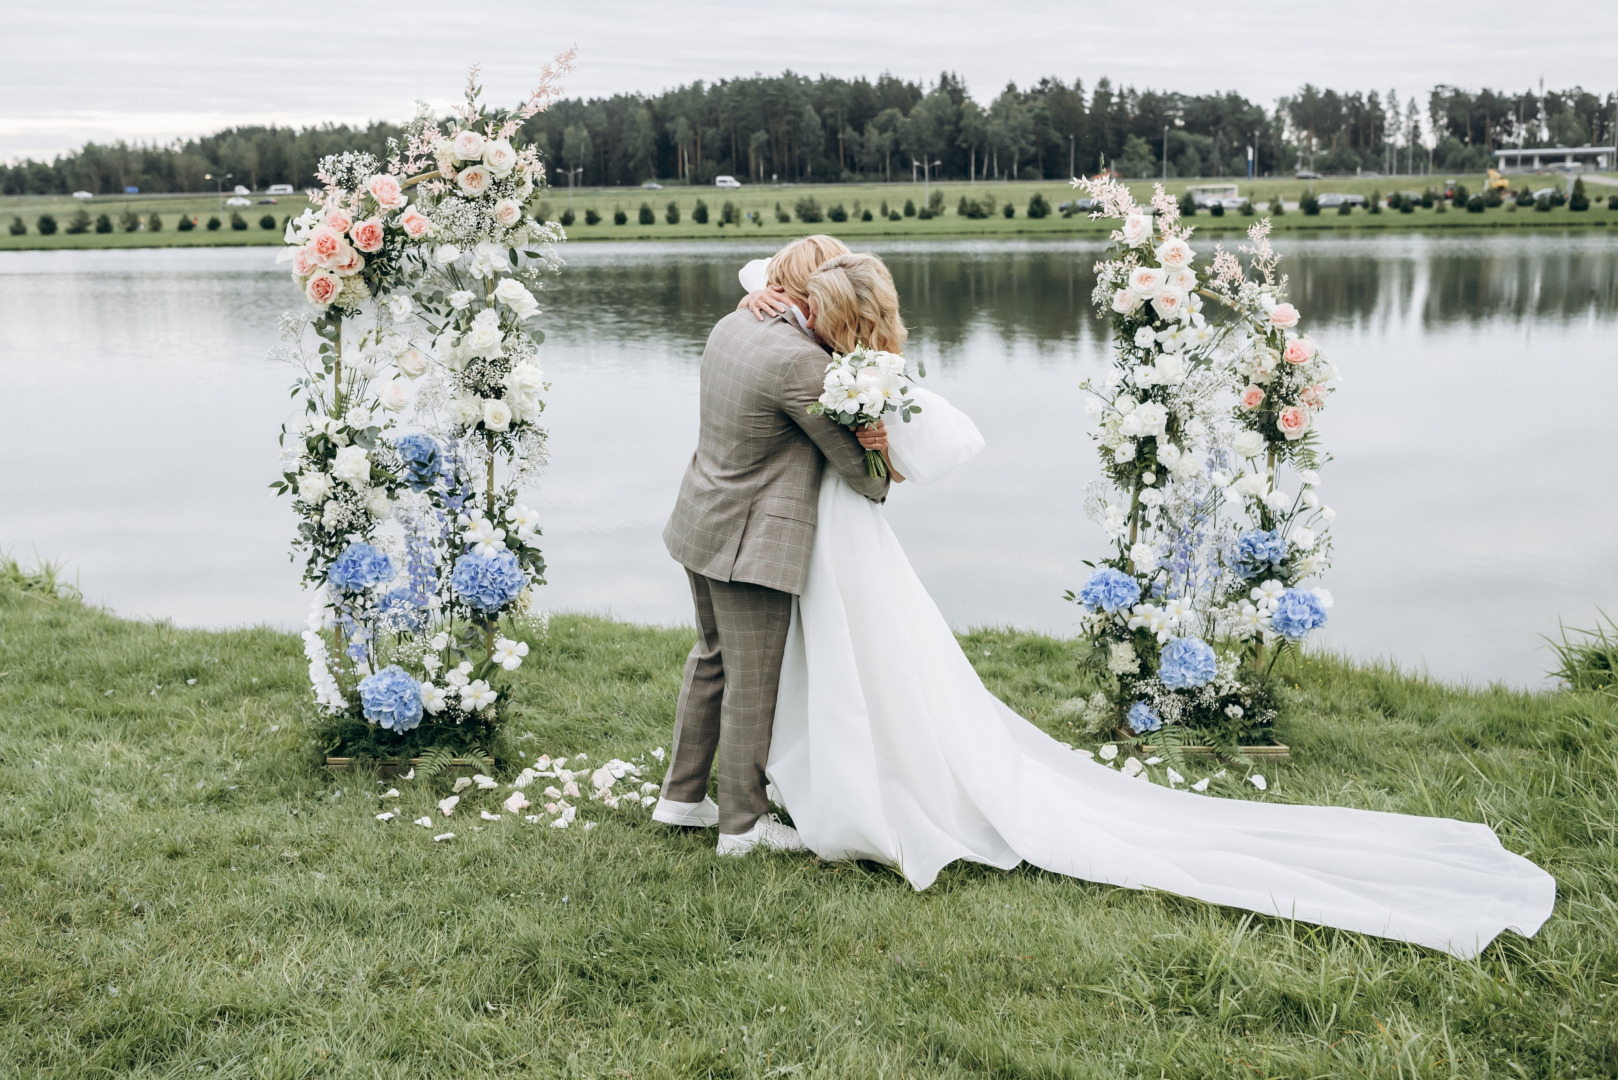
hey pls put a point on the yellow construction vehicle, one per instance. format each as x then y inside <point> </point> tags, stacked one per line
<point>1496,182</point>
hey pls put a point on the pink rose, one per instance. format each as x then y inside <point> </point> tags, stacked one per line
<point>302,262</point>
<point>1313,396</point>
<point>468,145</point>
<point>348,261</point>
<point>1169,303</point>
<point>387,192</point>
<point>322,288</point>
<point>324,244</point>
<point>1284,316</point>
<point>1299,350</point>
<point>1175,254</point>
<point>414,223</point>
<point>1252,397</point>
<point>1145,281</point>
<point>474,181</point>
<point>508,212</point>
<point>1293,421</point>
<point>368,235</point>
<point>338,220</point>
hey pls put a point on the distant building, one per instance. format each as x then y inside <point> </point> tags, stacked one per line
<point>1208,194</point>
<point>1557,158</point>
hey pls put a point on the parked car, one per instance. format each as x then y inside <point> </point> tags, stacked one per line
<point>83,195</point>
<point>1338,198</point>
<point>1306,174</point>
<point>726,182</point>
<point>1546,192</point>
<point>268,202</point>
<point>237,200</point>
<point>1075,206</point>
<point>279,189</point>
<point>240,190</point>
<point>652,185</point>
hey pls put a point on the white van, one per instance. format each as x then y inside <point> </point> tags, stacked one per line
<point>279,189</point>
<point>726,182</point>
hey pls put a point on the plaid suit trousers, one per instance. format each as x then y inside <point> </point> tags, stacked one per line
<point>727,701</point>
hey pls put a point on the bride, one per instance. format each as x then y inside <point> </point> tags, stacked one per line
<point>888,747</point>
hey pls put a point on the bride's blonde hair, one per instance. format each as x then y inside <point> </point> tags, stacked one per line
<point>790,268</point>
<point>856,304</point>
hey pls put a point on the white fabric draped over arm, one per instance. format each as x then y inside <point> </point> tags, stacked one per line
<point>934,442</point>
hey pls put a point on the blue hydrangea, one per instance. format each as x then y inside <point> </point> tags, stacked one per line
<point>1142,718</point>
<point>423,461</point>
<point>1186,662</point>
<point>1258,551</point>
<point>1297,613</point>
<point>360,567</point>
<point>487,583</point>
<point>403,609</point>
<point>391,699</point>
<point>1110,590</point>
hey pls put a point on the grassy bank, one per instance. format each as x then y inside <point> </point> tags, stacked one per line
<point>183,891</point>
<point>761,202</point>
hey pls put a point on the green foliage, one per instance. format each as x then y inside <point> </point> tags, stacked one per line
<point>700,213</point>
<point>1474,205</point>
<point>865,215</point>
<point>1009,210</point>
<point>154,223</point>
<point>884,211</point>
<point>782,217</point>
<point>1038,206</point>
<point>1374,205</point>
<point>730,214</point>
<point>1216,210</point>
<point>1429,199</point>
<point>1612,202</point>
<point>213,224</point>
<point>924,214</point>
<point>1588,659</point>
<point>1344,209</point>
<point>1460,197</point>
<point>1558,197</point>
<point>1246,208</point>
<point>619,217</point>
<point>910,208</point>
<point>239,223</point>
<point>1492,198</point>
<point>935,202</point>
<point>1543,204</point>
<point>1188,205</point>
<point>1578,201</point>
<point>808,210</point>
<point>46,225</point>
<point>894,215</point>
<point>975,208</point>
<point>267,222</point>
<point>129,221</point>
<point>567,217</point>
<point>1277,207</point>
<point>1309,204</point>
<point>18,227</point>
<point>1407,205</point>
<point>180,845</point>
<point>1525,198</point>
<point>187,223</point>
<point>103,223</point>
<point>647,215</point>
<point>672,214</point>
<point>836,213</point>
<point>79,223</point>
<point>592,217</point>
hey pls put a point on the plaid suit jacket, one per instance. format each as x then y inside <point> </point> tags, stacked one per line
<point>747,504</point>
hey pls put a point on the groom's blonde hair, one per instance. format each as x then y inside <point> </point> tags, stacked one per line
<point>856,304</point>
<point>789,270</point>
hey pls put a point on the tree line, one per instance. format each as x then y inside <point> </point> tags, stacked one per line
<point>792,128</point>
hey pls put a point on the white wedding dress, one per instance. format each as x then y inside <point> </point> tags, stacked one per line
<point>888,747</point>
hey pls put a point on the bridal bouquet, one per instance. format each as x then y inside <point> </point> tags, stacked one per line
<point>861,387</point>
<point>1196,420</point>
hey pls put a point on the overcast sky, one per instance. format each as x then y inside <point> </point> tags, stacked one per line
<point>158,69</point>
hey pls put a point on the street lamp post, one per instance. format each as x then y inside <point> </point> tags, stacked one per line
<point>1072,164</point>
<point>1165,151</point>
<point>219,182</point>
<point>926,168</point>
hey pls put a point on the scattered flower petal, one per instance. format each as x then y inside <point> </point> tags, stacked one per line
<point>1258,781</point>
<point>425,822</point>
<point>486,816</point>
<point>443,836</point>
<point>1200,785</point>
<point>461,784</point>
<point>447,806</point>
<point>386,815</point>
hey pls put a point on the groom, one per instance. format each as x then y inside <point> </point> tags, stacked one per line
<point>743,528</point>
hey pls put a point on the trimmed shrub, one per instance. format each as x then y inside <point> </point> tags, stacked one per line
<point>910,208</point>
<point>154,223</point>
<point>1277,207</point>
<point>924,214</point>
<point>79,222</point>
<point>1009,210</point>
<point>1612,202</point>
<point>1525,197</point>
<point>1459,199</point>
<point>1309,204</point>
<point>971,208</point>
<point>1492,197</point>
<point>267,222</point>
<point>672,214</point>
<point>238,223</point>
<point>18,227</point>
<point>1375,205</point>
<point>46,225</point>
<point>1543,204</point>
<point>592,217</point>
<point>213,224</point>
<point>884,210</point>
<point>1188,205</point>
<point>699,213</point>
<point>1038,206</point>
<point>1579,201</point>
<point>865,215</point>
<point>781,216</point>
<point>807,209</point>
<point>1407,205</point>
<point>567,217</point>
<point>1217,209</point>
<point>730,214</point>
<point>836,213</point>
<point>129,221</point>
<point>1474,205</point>
<point>1344,209</point>
<point>1246,208</point>
<point>1429,199</point>
<point>894,215</point>
<point>619,217</point>
<point>1558,197</point>
<point>103,223</point>
<point>647,216</point>
<point>935,203</point>
<point>187,223</point>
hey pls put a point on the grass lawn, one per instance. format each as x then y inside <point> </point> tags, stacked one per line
<point>184,891</point>
<point>761,201</point>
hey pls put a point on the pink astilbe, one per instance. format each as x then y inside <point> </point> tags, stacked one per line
<point>1264,257</point>
<point>1112,197</point>
<point>1227,268</point>
<point>549,88</point>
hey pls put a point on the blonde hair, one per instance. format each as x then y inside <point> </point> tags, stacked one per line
<point>790,267</point>
<point>856,304</point>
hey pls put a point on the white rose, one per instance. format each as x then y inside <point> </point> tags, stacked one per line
<point>1169,303</point>
<point>1125,302</point>
<point>1168,454</point>
<point>468,145</point>
<point>508,212</point>
<point>474,181</point>
<point>461,299</point>
<point>1130,425</point>
<point>1144,338</point>
<point>488,259</point>
<point>1145,281</point>
<point>511,292</point>
<point>1137,229</point>
<point>1174,254</point>
<point>1250,485</point>
<point>314,488</point>
<point>499,157</point>
<point>1311,498</point>
<point>378,505</point>
<point>1152,418</point>
<point>484,340</point>
<point>352,466</point>
<point>1125,452</point>
<point>524,378</point>
<point>399,306</point>
<point>412,363</point>
<point>1184,279</point>
<point>1170,369</point>
<point>466,411</point>
<point>1304,538</point>
<point>1143,376</point>
<point>496,414</point>
<point>445,254</point>
<point>1144,556</point>
<point>1249,444</point>
<point>394,395</point>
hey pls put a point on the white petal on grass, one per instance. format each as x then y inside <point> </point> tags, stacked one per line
<point>1200,785</point>
<point>486,816</point>
<point>386,815</point>
<point>443,836</point>
<point>485,783</point>
<point>425,822</point>
<point>1109,752</point>
<point>446,806</point>
<point>1154,761</point>
<point>391,793</point>
<point>1258,781</point>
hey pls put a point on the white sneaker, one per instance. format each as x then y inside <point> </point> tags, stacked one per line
<point>767,832</point>
<point>695,815</point>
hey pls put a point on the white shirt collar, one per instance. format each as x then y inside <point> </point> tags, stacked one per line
<point>803,320</point>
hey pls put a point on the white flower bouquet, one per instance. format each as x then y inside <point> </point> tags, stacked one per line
<point>861,388</point>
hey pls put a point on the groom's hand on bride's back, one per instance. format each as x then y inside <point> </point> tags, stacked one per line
<point>764,303</point>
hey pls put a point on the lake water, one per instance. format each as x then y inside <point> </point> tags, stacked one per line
<point>1475,484</point>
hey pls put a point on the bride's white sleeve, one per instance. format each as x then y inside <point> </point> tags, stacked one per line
<point>754,276</point>
<point>935,440</point>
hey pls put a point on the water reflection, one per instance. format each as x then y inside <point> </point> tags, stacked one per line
<point>1474,506</point>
